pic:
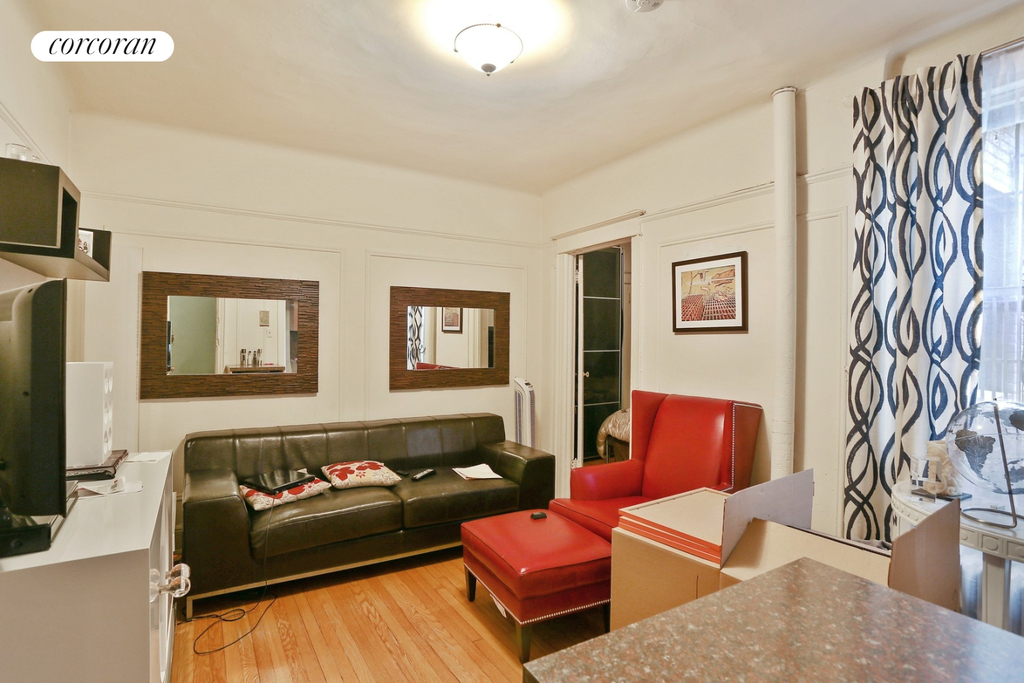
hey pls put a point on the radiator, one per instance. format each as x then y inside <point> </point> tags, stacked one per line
<point>526,413</point>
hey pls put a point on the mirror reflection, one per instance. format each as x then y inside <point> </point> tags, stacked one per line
<point>445,338</point>
<point>212,336</point>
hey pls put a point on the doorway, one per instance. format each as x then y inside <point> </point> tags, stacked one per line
<point>602,372</point>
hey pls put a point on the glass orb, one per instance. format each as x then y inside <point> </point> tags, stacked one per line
<point>972,440</point>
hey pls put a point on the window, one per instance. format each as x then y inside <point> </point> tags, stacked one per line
<point>1002,349</point>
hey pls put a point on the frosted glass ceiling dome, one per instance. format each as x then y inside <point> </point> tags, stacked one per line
<point>488,47</point>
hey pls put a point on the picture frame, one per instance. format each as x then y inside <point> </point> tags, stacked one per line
<point>709,294</point>
<point>451,320</point>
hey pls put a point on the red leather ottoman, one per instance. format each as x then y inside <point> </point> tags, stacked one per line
<point>537,569</point>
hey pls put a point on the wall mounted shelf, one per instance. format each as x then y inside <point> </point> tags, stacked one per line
<point>39,229</point>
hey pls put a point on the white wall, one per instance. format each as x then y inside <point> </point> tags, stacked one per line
<point>709,191</point>
<point>35,101</point>
<point>450,348</point>
<point>180,201</point>
<point>240,329</point>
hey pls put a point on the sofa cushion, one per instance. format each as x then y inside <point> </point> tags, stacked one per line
<point>447,497</point>
<point>599,516</point>
<point>356,473</point>
<point>258,500</point>
<point>330,517</point>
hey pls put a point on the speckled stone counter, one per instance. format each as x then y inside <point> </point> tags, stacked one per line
<point>801,622</point>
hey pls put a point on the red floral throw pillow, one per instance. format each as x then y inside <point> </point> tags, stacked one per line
<point>264,501</point>
<point>348,475</point>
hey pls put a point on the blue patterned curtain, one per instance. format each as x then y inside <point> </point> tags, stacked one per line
<point>916,280</point>
<point>414,324</point>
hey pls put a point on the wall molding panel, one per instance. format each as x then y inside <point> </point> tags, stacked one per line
<point>26,138</point>
<point>299,218</point>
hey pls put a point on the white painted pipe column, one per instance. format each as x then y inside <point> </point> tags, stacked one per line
<point>784,403</point>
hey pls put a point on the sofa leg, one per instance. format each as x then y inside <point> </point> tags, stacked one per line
<point>606,612</point>
<point>188,609</point>
<point>470,585</point>
<point>524,635</point>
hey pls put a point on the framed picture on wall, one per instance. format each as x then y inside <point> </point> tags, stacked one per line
<point>710,294</point>
<point>451,320</point>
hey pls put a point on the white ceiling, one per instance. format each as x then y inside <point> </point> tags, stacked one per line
<point>376,80</point>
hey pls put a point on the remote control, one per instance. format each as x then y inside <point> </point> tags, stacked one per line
<point>402,473</point>
<point>424,473</point>
<point>538,515</point>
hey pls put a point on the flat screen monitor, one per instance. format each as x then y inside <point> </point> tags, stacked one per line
<point>32,418</point>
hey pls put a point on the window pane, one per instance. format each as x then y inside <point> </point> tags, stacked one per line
<point>1002,373</point>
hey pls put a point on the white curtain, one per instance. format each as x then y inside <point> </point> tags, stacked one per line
<point>915,328</point>
<point>476,338</point>
<point>414,326</point>
<point>431,325</point>
<point>1002,348</point>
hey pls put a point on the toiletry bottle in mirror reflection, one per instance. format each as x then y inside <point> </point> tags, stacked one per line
<point>241,361</point>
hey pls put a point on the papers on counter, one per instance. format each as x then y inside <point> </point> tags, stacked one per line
<point>147,457</point>
<point>476,472</point>
<point>113,487</point>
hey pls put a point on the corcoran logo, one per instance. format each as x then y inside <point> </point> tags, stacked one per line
<point>102,46</point>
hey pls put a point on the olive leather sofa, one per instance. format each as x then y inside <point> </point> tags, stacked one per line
<point>226,543</point>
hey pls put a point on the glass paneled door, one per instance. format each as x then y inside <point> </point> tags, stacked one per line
<point>598,344</point>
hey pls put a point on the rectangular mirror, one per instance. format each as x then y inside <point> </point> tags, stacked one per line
<point>215,335</point>
<point>196,327</point>
<point>450,338</point>
<point>446,338</point>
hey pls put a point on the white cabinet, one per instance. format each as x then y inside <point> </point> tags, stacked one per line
<point>82,611</point>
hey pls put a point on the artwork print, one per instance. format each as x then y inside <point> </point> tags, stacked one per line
<point>710,294</point>
<point>451,320</point>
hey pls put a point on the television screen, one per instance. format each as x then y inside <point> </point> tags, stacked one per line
<point>32,418</point>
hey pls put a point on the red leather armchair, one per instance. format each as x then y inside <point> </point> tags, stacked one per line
<point>677,444</point>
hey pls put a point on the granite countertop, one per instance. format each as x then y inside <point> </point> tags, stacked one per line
<point>802,622</point>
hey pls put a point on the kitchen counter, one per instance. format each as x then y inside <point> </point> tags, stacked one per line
<point>804,621</point>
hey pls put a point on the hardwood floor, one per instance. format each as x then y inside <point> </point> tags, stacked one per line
<point>406,620</point>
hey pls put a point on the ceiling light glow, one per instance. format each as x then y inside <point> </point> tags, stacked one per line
<point>542,26</point>
<point>488,47</point>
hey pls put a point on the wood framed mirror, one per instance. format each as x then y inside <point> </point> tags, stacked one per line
<point>215,335</point>
<point>448,338</point>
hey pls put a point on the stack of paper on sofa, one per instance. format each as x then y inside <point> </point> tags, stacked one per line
<point>673,550</point>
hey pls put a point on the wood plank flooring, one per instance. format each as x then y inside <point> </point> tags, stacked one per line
<point>406,620</point>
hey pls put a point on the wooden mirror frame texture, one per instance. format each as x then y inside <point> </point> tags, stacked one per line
<point>155,383</point>
<point>403,378</point>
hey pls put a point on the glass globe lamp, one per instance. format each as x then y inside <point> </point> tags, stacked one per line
<point>488,47</point>
<point>986,446</point>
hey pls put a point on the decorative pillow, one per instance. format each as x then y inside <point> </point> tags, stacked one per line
<point>348,475</point>
<point>264,501</point>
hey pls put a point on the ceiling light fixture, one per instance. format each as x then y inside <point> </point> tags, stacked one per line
<point>644,5</point>
<point>488,47</point>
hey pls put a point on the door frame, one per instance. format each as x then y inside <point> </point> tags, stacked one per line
<point>565,331</point>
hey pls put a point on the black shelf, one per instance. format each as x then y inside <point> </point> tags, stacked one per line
<point>39,229</point>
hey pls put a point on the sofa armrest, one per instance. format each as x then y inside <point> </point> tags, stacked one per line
<point>532,469</point>
<point>613,480</point>
<point>215,535</point>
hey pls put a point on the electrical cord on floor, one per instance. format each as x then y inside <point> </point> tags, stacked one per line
<point>238,613</point>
